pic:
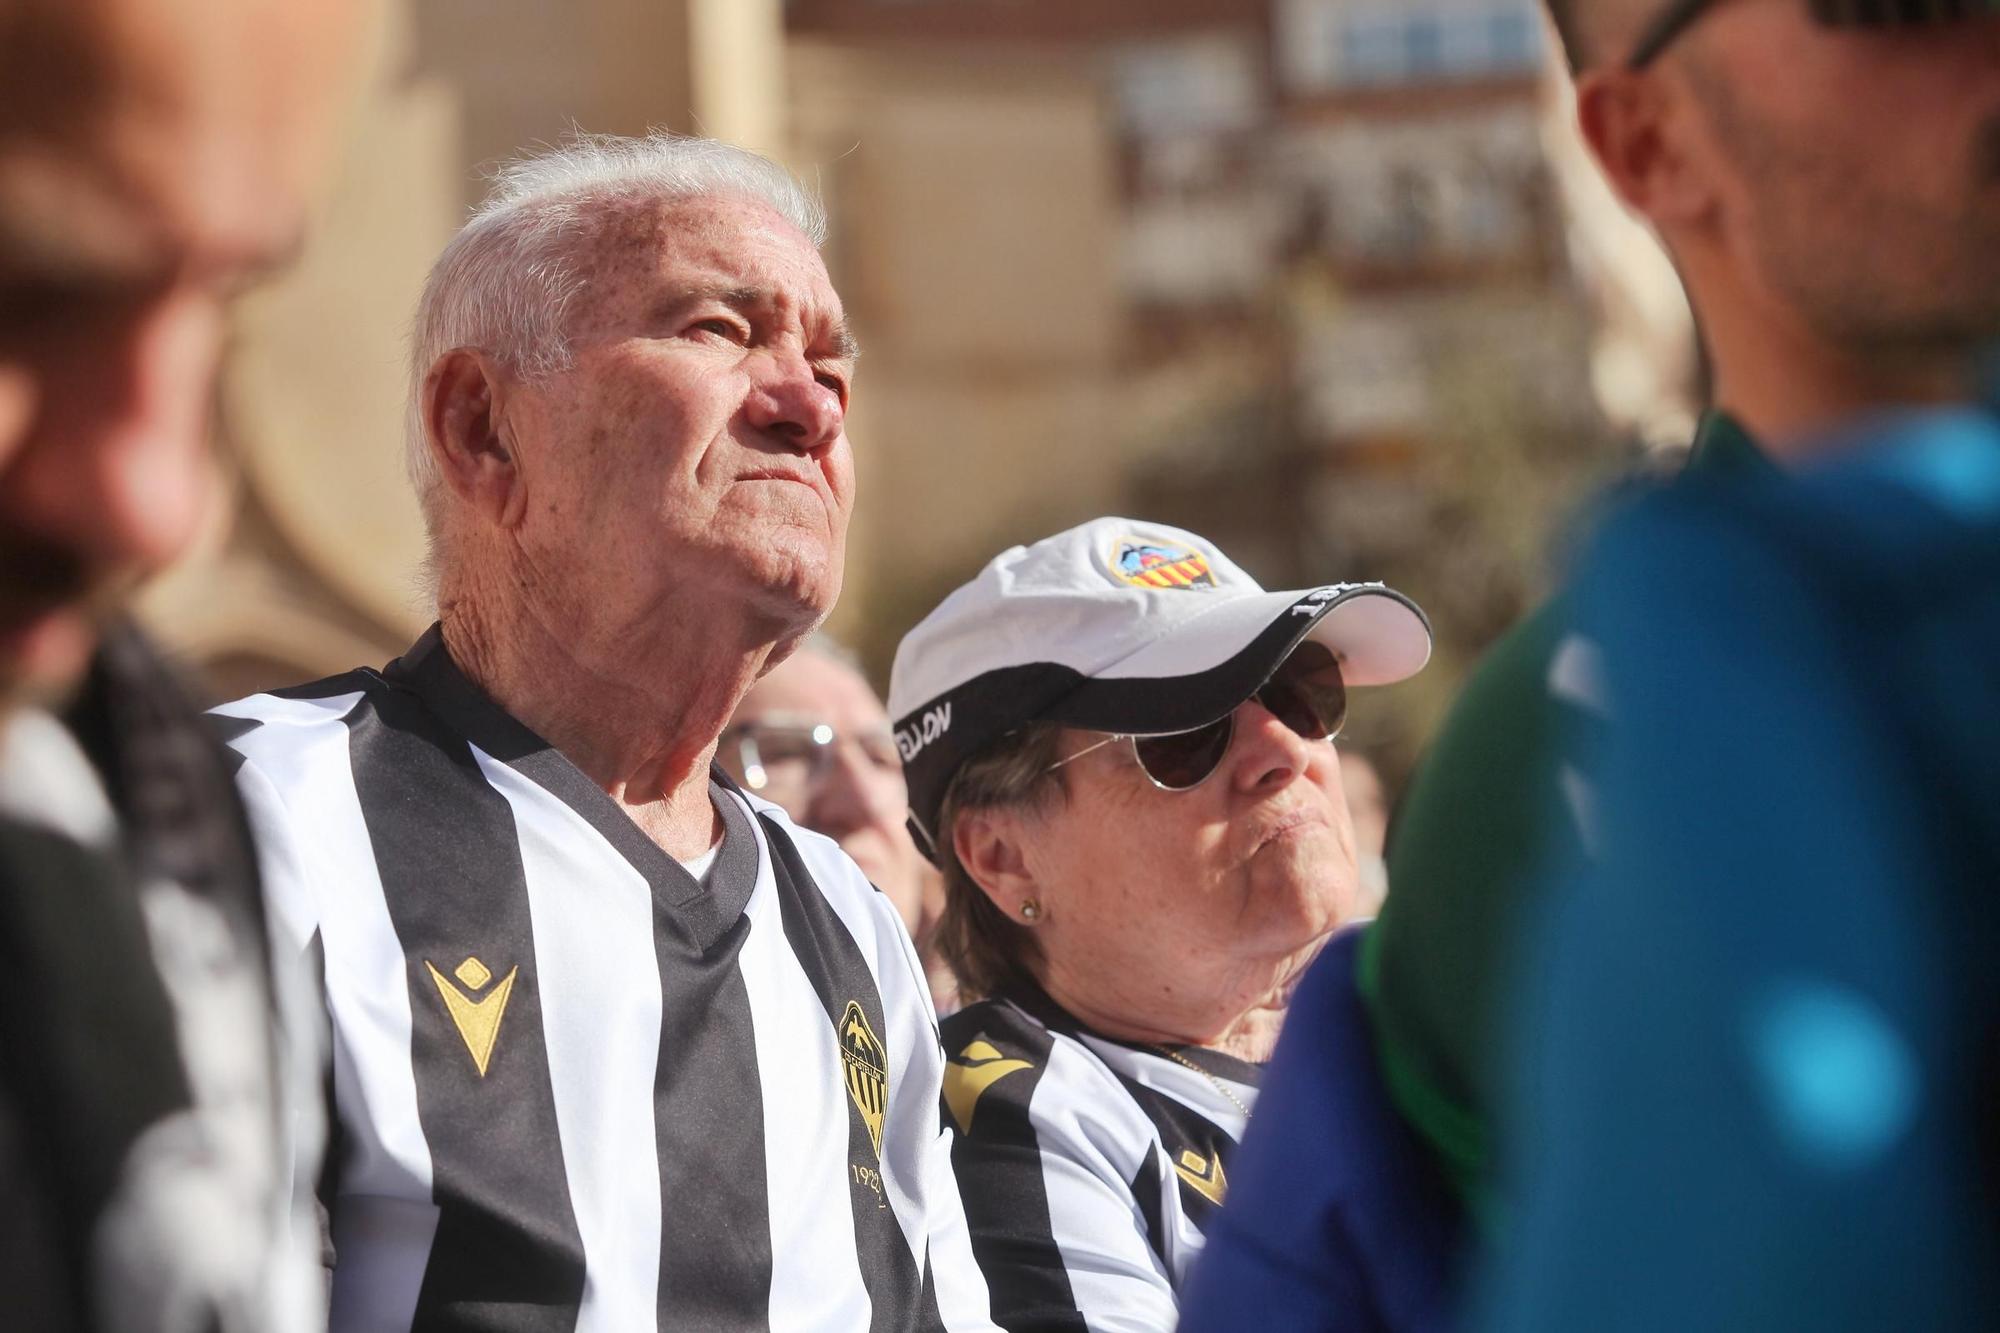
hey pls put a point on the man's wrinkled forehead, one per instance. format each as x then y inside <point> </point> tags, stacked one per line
<point>726,247</point>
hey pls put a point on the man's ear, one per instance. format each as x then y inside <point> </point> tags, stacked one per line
<point>988,844</point>
<point>462,400</point>
<point>1641,132</point>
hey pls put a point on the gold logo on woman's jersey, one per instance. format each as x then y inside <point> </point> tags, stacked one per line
<point>867,1065</point>
<point>978,1067</point>
<point>1203,1175</point>
<point>477,1021</point>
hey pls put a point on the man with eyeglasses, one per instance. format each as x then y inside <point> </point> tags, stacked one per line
<point>812,737</point>
<point>1117,748</point>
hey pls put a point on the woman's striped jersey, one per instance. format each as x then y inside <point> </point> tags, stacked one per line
<point>1089,1166</point>
<point>573,1087</point>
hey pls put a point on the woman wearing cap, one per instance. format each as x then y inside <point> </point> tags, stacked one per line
<point>1117,750</point>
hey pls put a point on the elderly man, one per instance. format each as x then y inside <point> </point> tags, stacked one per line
<point>616,1044</point>
<point>154,156</point>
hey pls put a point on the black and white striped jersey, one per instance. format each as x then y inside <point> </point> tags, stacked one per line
<point>1089,1166</point>
<point>574,1087</point>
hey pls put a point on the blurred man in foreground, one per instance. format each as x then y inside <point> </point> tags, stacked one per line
<point>1759,1077</point>
<point>1757,1071</point>
<point>621,1046</point>
<point>1831,196</point>
<point>1825,179</point>
<point>153,160</point>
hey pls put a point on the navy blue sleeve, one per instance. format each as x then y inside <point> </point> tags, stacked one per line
<point>1735,1110</point>
<point>1336,1220</point>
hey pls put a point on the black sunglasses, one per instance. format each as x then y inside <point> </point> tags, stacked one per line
<point>1306,693</point>
<point>1679,16</point>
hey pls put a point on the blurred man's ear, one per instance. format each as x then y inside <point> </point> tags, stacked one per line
<point>1642,133</point>
<point>464,401</point>
<point>989,845</point>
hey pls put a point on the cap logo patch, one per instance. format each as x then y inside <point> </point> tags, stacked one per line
<point>1152,565</point>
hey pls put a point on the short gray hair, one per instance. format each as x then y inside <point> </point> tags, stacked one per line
<point>504,283</point>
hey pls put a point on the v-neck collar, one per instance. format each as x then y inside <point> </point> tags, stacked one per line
<point>703,909</point>
<point>1037,1003</point>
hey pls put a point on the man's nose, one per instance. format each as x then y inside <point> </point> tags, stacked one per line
<point>121,474</point>
<point>789,402</point>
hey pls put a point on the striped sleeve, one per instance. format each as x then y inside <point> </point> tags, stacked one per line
<point>1059,1172</point>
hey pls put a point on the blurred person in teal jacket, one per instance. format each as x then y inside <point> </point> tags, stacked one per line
<point>1759,1062</point>
<point>1824,176</point>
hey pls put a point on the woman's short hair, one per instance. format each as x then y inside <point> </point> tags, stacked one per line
<point>988,949</point>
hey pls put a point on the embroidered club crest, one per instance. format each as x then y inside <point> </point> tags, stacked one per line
<point>1151,565</point>
<point>866,1064</point>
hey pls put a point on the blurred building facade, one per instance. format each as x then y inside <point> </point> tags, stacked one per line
<point>1295,273</point>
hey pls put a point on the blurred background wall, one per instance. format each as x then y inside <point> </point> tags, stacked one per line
<point>1326,280</point>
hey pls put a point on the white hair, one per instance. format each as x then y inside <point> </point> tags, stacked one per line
<point>505,282</point>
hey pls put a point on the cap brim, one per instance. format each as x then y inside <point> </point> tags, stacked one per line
<point>1205,667</point>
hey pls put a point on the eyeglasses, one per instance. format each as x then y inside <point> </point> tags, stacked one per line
<point>787,762</point>
<point>1306,693</point>
<point>1679,16</point>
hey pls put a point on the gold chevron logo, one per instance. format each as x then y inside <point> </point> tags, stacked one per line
<point>1203,1175</point>
<point>477,1021</point>
<point>978,1067</point>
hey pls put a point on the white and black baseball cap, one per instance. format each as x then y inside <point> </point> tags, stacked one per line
<point>1119,626</point>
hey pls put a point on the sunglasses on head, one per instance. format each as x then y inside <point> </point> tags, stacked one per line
<point>1678,17</point>
<point>1306,693</point>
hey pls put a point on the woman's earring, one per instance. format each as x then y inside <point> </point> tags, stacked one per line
<point>1031,910</point>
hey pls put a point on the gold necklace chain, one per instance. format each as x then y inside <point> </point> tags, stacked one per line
<point>1214,1082</point>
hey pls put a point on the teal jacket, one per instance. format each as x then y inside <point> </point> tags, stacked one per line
<point>1760,1052</point>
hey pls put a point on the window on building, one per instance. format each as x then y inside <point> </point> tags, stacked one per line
<point>1515,40</point>
<point>1372,50</point>
<point>1201,84</point>
<point>1423,41</point>
<point>1419,43</point>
